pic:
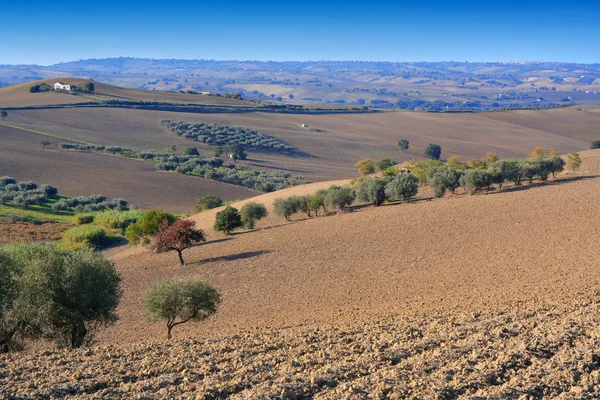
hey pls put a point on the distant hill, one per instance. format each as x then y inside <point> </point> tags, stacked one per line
<point>430,86</point>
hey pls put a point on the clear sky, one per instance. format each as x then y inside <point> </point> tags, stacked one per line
<point>42,32</point>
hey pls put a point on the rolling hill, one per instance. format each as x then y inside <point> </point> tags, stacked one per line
<point>485,296</point>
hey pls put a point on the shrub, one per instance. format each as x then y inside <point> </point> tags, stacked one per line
<point>147,225</point>
<point>50,191</point>
<point>7,180</point>
<point>317,201</point>
<point>404,185</point>
<point>420,168</point>
<point>177,236</point>
<point>117,219</point>
<point>27,185</point>
<point>510,170</point>
<point>557,164</point>
<point>84,219</point>
<point>286,207</point>
<point>384,164</point>
<point>191,151</point>
<point>207,202</point>
<point>443,178</point>
<point>475,179</point>
<point>595,144</point>
<point>433,151</point>
<point>372,190</point>
<point>538,152</point>
<point>490,158</point>
<point>573,161</point>
<point>56,294</point>
<point>252,212</point>
<point>365,167</point>
<point>228,220</point>
<point>339,197</point>
<point>86,236</point>
<point>177,302</point>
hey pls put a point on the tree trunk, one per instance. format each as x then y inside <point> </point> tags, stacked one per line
<point>180,257</point>
<point>78,333</point>
<point>169,327</point>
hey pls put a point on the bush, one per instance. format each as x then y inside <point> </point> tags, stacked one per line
<point>227,220</point>
<point>84,219</point>
<point>286,207</point>
<point>595,144</point>
<point>56,294</point>
<point>384,164</point>
<point>339,197</point>
<point>573,161</point>
<point>27,185</point>
<point>475,179</point>
<point>433,151</point>
<point>191,151</point>
<point>207,202</point>
<point>510,170</point>
<point>443,178</point>
<point>177,236</point>
<point>86,236</point>
<point>49,191</point>
<point>7,180</point>
<point>420,168</point>
<point>372,190</point>
<point>147,225</point>
<point>557,164</point>
<point>404,185</point>
<point>252,212</point>
<point>117,219</point>
<point>365,167</point>
<point>177,302</point>
<point>403,144</point>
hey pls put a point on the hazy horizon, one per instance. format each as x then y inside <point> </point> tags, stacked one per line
<point>466,31</point>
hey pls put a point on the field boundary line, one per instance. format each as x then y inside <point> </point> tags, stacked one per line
<point>43,133</point>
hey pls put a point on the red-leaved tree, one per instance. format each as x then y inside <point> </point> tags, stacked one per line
<point>178,236</point>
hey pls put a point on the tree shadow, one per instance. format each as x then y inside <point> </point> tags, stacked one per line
<point>233,257</point>
<point>557,181</point>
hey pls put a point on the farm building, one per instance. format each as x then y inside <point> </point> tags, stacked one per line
<point>62,86</point>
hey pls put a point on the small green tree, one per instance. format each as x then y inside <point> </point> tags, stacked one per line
<point>595,144</point>
<point>371,190</point>
<point>3,114</point>
<point>228,220</point>
<point>147,225</point>
<point>475,180</point>
<point>252,212</point>
<point>573,161</point>
<point>442,178</point>
<point>365,167</point>
<point>339,197</point>
<point>286,207</point>
<point>510,170</point>
<point>557,164</point>
<point>403,144</point>
<point>433,151</point>
<point>317,201</point>
<point>191,151</point>
<point>404,185</point>
<point>178,302</point>
<point>207,202</point>
<point>384,164</point>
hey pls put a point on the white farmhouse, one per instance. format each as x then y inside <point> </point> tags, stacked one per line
<point>62,86</point>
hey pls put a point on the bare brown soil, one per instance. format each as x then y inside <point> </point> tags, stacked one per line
<point>11,232</point>
<point>485,296</point>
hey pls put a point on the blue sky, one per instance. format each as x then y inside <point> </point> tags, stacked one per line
<point>37,32</point>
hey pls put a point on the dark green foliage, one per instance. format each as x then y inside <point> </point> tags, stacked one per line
<point>177,302</point>
<point>475,180</point>
<point>371,190</point>
<point>557,164</point>
<point>403,144</point>
<point>59,295</point>
<point>27,186</point>
<point>50,191</point>
<point>595,144</point>
<point>191,151</point>
<point>443,178</point>
<point>84,219</point>
<point>221,135</point>
<point>86,236</point>
<point>384,164</point>
<point>509,170</point>
<point>339,197</point>
<point>207,202</point>
<point>228,220</point>
<point>147,225</point>
<point>7,180</point>
<point>89,87</point>
<point>403,185</point>
<point>286,207</point>
<point>252,212</point>
<point>3,114</point>
<point>433,151</point>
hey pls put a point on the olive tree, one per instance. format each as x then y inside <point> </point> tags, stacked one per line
<point>371,190</point>
<point>339,197</point>
<point>252,212</point>
<point>286,207</point>
<point>475,180</point>
<point>178,302</point>
<point>404,185</point>
<point>443,178</point>
<point>228,220</point>
<point>433,151</point>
